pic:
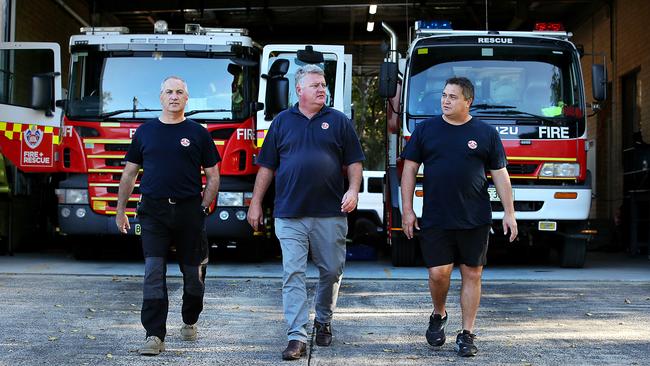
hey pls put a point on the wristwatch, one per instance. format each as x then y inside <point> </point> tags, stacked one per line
<point>206,210</point>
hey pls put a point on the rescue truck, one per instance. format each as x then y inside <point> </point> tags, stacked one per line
<point>529,87</point>
<point>79,140</point>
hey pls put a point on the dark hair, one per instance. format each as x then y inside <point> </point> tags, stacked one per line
<point>465,85</point>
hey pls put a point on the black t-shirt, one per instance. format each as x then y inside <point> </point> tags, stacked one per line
<point>172,156</point>
<point>308,155</point>
<point>455,160</point>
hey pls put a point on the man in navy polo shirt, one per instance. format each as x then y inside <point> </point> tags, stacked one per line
<point>172,149</point>
<point>456,150</point>
<point>307,147</point>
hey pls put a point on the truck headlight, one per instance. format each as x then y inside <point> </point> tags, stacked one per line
<point>72,196</point>
<point>560,170</point>
<point>230,199</point>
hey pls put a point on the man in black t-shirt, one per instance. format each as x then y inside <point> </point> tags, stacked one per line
<point>172,211</point>
<point>456,150</point>
<point>307,146</point>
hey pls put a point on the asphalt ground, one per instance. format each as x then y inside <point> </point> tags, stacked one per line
<point>90,319</point>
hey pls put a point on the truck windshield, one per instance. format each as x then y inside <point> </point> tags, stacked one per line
<point>510,82</point>
<point>329,67</point>
<point>105,85</point>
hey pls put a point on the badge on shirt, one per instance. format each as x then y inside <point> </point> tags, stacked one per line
<point>325,125</point>
<point>185,142</point>
<point>472,144</point>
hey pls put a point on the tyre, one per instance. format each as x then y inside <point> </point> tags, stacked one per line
<point>404,252</point>
<point>253,251</point>
<point>573,253</point>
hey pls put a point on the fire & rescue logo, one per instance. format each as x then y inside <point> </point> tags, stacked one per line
<point>33,137</point>
<point>185,142</point>
<point>325,125</point>
<point>472,144</point>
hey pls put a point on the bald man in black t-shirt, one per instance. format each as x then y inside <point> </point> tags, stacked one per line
<point>172,211</point>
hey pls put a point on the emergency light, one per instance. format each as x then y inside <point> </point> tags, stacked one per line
<point>432,24</point>
<point>548,26</point>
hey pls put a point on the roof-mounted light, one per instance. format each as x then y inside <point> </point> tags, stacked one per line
<point>549,27</point>
<point>197,29</point>
<point>160,27</point>
<point>104,30</point>
<point>432,24</point>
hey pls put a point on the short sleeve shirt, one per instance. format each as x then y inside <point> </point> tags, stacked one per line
<point>455,160</point>
<point>308,156</point>
<point>172,156</point>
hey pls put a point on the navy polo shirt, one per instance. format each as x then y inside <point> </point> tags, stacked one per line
<point>455,160</point>
<point>172,156</point>
<point>308,155</point>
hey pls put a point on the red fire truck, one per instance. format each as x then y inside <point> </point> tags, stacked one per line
<point>529,86</point>
<point>79,140</point>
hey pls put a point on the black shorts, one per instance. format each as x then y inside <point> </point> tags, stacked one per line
<point>466,246</point>
<point>181,224</point>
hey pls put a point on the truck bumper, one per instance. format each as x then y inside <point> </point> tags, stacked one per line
<point>81,220</point>
<point>540,204</point>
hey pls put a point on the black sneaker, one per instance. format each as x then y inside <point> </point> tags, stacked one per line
<point>436,331</point>
<point>465,344</point>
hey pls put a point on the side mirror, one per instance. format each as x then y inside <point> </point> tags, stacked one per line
<point>277,89</point>
<point>388,79</point>
<point>43,93</point>
<point>309,56</point>
<point>256,106</point>
<point>599,82</point>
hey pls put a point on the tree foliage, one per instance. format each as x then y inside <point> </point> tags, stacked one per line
<point>370,120</point>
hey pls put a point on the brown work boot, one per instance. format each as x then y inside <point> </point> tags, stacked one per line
<point>323,334</point>
<point>295,350</point>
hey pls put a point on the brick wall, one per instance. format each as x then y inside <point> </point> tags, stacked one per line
<point>633,52</point>
<point>595,36</point>
<point>620,32</point>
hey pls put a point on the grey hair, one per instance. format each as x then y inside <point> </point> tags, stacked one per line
<point>162,85</point>
<point>307,69</point>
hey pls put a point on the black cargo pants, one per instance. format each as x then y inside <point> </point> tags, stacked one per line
<point>181,223</point>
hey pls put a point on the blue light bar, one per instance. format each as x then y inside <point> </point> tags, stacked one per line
<point>432,24</point>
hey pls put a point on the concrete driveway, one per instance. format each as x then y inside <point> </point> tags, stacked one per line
<point>92,317</point>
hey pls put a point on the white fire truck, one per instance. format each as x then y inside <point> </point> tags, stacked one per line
<point>529,86</point>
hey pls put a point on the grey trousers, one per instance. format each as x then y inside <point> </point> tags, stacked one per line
<point>325,236</point>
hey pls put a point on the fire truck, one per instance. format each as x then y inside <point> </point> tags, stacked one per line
<point>79,140</point>
<point>529,87</point>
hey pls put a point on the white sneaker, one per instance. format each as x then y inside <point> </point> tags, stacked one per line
<point>152,346</point>
<point>189,332</point>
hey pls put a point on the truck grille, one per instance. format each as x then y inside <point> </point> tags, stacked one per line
<point>114,190</point>
<point>130,204</point>
<point>521,168</point>
<point>117,147</point>
<point>222,134</point>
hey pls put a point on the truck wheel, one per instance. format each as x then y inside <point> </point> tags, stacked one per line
<point>404,252</point>
<point>253,251</point>
<point>574,253</point>
<point>83,251</point>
